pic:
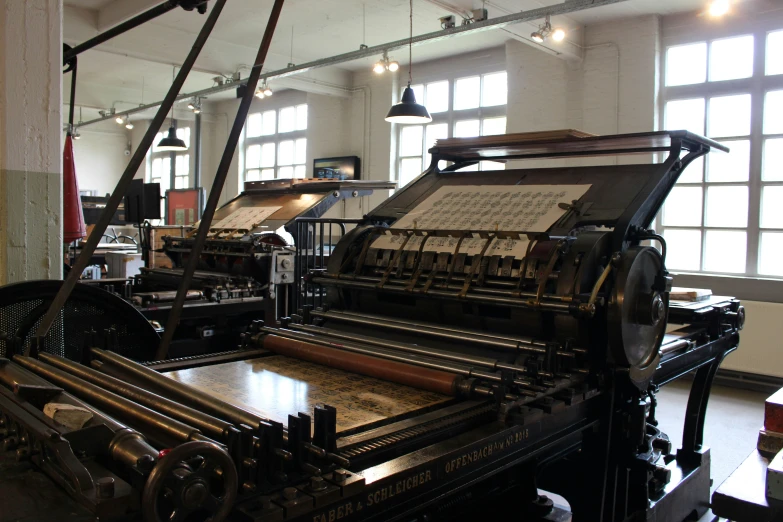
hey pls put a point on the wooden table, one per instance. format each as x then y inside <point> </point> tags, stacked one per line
<point>742,496</point>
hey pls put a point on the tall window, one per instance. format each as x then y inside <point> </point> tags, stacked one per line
<point>725,215</point>
<point>276,144</point>
<point>460,108</point>
<point>160,163</point>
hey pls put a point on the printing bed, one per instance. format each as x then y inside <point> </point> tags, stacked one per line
<point>482,338</point>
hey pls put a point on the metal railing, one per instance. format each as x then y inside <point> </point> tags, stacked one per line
<point>315,238</point>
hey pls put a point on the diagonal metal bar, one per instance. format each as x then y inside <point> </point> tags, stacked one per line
<point>220,180</point>
<point>130,171</point>
<point>117,30</point>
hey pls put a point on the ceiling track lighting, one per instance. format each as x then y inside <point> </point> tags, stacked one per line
<point>545,31</point>
<point>264,91</point>
<point>195,105</point>
<point>385,64</point>
<point>128,124</point>
<point>75,134</point>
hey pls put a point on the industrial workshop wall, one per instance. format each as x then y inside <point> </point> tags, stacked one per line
<point>30,144</point>
<point>100,159</point>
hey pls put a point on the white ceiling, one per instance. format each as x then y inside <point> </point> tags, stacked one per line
<point>117,71</point>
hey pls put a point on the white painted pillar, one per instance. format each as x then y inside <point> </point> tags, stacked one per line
<point>30,140</point>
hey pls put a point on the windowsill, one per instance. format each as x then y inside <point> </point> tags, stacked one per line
<point>741,287</point>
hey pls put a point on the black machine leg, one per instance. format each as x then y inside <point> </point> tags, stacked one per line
<point>696,412</point>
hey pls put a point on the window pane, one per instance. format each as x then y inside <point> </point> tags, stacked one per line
<point>157,166</point>
<point>683,249</point>
<point>409,169</point>
<point>253,157</point>
<point>734,166</point>
<point>775,53</point>
<point>773,113</point>
<point>436,131</point>
<point>495,89</point>
<point>165,174</point>
<point>437,97</point>
<point>183,165</point>
<point>686,64</point>
<point>285,153</point>
<point>466,129</point>
<point>300,171</point>
<point>268,155</point>
<point>773,160</point>
<point>301,117</point>
<point>254,125</point>
<point>180,182</point>
<point>772,208</point>
<point>727,207</point>
<point>466,93</point>
<point>470,168</point>
<point>267,174</point>
<point>685,115</point>
<point>492,126</point>
<point>410,140</point>
<point>683,207</point>
<point>693,172</point>
<point>769,253</point>
<point>253,175</point>
<point>300,156</point>
<point>285,173</point>
<point>731,58</point>
<point>184,135</point>
<point>492,165</point>
<point>729,116</point>
<point>287,121</point>
<point>725,251</point>
<point>269,125</point>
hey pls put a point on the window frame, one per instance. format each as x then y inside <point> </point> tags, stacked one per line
<point>749,284</point>
<point>450,116</point>
<point>276,138</point>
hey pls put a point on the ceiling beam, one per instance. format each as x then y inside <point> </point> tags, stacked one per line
<point>120,11</point>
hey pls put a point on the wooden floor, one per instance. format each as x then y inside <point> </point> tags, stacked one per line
<point>276,386</point>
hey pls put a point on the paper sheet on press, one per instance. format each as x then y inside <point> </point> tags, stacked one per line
<point>482,208</point>
<point>245,218</point>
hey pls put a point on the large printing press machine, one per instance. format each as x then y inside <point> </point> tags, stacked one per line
<point>246,267</point>
<point>484,337</point>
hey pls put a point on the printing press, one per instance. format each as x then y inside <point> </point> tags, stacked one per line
<point>246,267</point>
<point>482,338</point>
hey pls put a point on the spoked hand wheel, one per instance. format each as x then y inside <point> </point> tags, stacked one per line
<point>196,481</point>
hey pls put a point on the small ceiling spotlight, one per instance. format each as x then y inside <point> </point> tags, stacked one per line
<point>76,134</point>
<point>128,124</point>
<point>267,90</point>
<point>195,105</point>
<point>546,31</point>
<point>718,8</point>
<point>120,120</point>
<point>260,94</point>
<point>385,65</point>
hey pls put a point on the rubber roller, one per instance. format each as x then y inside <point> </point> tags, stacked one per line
<point>422,378</point>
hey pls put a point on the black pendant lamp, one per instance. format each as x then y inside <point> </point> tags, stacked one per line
<point>170,142</point>
<point>408,111</point>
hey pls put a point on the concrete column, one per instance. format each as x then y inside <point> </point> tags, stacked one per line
<point>30,140</point>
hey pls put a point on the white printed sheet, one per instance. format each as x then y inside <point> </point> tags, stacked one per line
<point>482,208</point>
<point>245,218</point>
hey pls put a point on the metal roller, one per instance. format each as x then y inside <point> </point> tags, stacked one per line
<point>157,423</point>
<point>179,392</point>
<point>211,426</point>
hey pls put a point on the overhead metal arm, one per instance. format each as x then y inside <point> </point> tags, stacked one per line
<point>146,16</point>
<point>130,171</point>
<point>220,180</point>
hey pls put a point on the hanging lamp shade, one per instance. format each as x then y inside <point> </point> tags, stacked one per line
<point>171,142</point>
<point>73,215</point>
<point>408,110</point>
